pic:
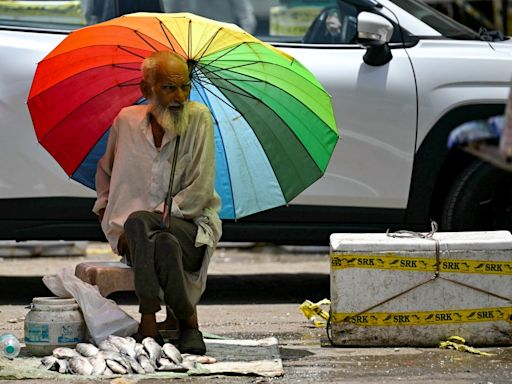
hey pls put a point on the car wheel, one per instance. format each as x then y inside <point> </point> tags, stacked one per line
<point>479,199</point>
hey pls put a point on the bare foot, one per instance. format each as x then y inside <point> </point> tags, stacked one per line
<point>170,323</point>
<point>190,322</point>
<point>148,326</point>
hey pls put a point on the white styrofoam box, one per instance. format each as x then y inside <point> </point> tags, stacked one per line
<point>385,291</point>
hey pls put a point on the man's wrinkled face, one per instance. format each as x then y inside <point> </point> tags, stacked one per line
<point>171,88</point>
<point>170,93</point>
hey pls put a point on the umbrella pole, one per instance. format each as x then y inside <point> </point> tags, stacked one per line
<point>168,200</point>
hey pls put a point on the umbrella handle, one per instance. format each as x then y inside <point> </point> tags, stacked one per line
<point>166,216</point>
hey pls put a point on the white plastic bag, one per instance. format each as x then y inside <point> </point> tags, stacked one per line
<point>102,316</point>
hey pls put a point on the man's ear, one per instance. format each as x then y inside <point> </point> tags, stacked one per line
<point>145,88</point>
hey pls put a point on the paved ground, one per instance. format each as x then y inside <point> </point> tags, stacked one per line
<point>255,293</point>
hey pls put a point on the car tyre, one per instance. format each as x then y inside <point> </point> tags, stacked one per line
<point>479,199</point>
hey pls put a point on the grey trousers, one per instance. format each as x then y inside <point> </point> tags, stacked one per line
<point>160,258</point>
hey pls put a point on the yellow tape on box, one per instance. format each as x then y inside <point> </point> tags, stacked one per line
<point>423,264</point>
<point>370,319</point>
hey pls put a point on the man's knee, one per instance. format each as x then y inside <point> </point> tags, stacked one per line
<point>167,249</point>
<point>136,220</point>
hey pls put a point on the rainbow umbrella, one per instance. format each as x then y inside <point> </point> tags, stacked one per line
<point>274,125</point>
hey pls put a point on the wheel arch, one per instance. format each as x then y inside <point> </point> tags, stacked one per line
<point>435,166</point>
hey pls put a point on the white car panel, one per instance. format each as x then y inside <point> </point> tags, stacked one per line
<point>26,169</point>
<point>361,93</point>
<point>476,74</point>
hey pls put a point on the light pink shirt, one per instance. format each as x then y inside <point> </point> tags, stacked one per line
<point>134,175</point>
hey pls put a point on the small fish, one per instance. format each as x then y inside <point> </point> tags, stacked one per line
<point>146,364</point>
<point>98,365</point>
<point>116,367</point>
<point>167,365</point>
<point>111,355</point>
<point>64,353</point>
<point>86,350</point>
<point>163,361</point>
<point>203,359</point>
<point>80,366</point>
<point>62,366</point>
<point>134,364</point>
<point>49,362</point>
<point>106,345</point>
<point>154,350</point>
<point>118,357</point>
<point>139,350</point>
<point>108,371</point>
<point>172,353</point>
<point>125,345</point>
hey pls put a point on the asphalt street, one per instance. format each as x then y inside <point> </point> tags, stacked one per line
<point>254,292</point>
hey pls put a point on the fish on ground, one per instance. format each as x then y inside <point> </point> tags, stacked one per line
<point>86,349</point>
<point>80,365</point>
<point>172,353</point>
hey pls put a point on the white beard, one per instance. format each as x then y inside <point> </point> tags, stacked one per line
<point>173,122</point>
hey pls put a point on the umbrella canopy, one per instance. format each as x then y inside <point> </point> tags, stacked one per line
<point>274,125</point>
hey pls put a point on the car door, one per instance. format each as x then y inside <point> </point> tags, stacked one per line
<point>376,113</point>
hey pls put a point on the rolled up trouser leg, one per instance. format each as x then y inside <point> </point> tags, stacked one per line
<point>175,254</point>
<point>141,229</point>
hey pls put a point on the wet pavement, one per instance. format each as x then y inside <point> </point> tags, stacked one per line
<point>255,292</point>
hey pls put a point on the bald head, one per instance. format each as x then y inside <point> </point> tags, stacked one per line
<point>162,61</point>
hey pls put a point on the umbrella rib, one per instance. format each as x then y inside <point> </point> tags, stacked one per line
<point>202,66</point>
<point>189,42</point>
<point>227,52</point>
<point>233,67</point>
<point>249,96</point>
<point>231,81</point>
<point>207,45</point>
<point>162,26</point>
<point>206,80</point>
<point>130,52</point>
<point>254,62</point>
<point>204,100</point>
<point>123,67</point>
<point>213,94</point>
<point>144,40</point>
<point>128,85</point>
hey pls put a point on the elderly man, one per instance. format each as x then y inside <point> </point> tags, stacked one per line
<point>132,181</point>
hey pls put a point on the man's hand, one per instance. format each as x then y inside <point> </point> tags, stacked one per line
<point>101,213</point>
<point>122,245</point>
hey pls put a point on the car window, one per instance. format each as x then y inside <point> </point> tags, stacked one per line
<point>436,20</point>
<point>294,21</point>
<point>333,25</point>
<point>271,20</point>
<point>42,14</point>
<point>322,21</point>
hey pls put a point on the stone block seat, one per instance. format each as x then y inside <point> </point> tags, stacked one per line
<point>108,276</point>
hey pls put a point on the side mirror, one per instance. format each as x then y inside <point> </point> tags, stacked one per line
<point>373,33</point>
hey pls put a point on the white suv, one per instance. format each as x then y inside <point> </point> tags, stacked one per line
<point>401,76</point>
